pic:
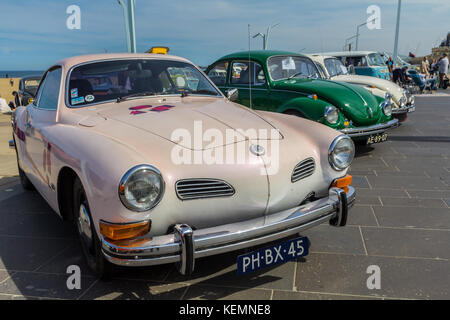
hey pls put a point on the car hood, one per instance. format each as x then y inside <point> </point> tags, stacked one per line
<point>352,100</point>
<point>382,84</point>
<point>172,117</point>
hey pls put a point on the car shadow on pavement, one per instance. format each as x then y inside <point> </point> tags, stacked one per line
<point>421,138</point>
<point>37,247</point>
<point>362,150</point>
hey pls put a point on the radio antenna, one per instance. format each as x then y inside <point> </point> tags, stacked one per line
<point>249,69</point>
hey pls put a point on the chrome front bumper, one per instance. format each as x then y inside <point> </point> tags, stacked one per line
<point>407,109</point>
<point>367,131</point>
<point>184,245</point>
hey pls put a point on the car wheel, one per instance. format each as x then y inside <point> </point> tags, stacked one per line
<point>401,117</point>
<point>90,242</point>
<point>24,181</point>
<point>17,100</point>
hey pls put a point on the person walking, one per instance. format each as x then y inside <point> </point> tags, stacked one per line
<point>443,68</point>
<point>424,69</point>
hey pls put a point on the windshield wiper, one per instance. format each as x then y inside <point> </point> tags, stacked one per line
<point>298,74</point>
<point>134,95</point>
<point>294,75</point>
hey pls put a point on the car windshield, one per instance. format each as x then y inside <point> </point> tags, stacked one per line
<point>284,67</point>
<point>335,67</point>
<point>375,60</point>
<point>113,80</point>
<point>31,85</point>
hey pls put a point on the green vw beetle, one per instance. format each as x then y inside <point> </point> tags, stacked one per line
<point>290,83</point>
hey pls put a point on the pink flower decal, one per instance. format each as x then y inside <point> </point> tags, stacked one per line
<point>161,108</point>
<point>135,110</point>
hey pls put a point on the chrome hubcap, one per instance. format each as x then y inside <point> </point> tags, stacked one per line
<point>84,226</point>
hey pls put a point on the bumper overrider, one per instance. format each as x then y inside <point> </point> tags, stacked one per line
<point>369,130</point>
<point>184,245</point>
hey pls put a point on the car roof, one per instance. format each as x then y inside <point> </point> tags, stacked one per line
<point>35,77</point>
<point>319,56</point>
<point>259,54</point>
<point>73,61</point>
<point>347,53</point>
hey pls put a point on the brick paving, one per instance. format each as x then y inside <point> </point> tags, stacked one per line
<point>401,223</point>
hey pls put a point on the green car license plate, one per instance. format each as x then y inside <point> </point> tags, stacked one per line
<point>377,138</point>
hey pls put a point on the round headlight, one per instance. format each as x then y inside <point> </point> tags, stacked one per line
<point>341,152</point>
<point>331,114</point>
<point>141,188</point>
<point>387,108</point>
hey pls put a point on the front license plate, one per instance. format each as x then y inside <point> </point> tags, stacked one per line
<point>377,138</point>
<point>270,256</point>
<point>412,109</point>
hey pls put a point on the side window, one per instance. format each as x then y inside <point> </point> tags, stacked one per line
<point>363,62</point>
<point>218,73</point>
<point>48,94</point>
<point>243,71</point>
<point>330,67</point>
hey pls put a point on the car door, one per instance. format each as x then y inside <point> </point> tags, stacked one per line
<point>250,80</point>
<point>39,116</point>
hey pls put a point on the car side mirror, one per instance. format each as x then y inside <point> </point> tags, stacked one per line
<point>232,94</point>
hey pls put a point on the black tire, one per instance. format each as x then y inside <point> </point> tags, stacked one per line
<point>17,100</point>
<point>401,117</point>
<point>24,181</point>
<point>91,247</point>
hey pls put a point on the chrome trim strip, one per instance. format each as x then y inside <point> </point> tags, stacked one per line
<point>409,108</point>
<point>365,131</point>
<point>217,240</point>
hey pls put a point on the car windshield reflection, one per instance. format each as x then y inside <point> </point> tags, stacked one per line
<point>135,78</point>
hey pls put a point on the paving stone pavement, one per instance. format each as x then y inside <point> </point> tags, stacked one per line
<point>401,223</point>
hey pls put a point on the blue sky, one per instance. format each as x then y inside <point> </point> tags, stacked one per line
<point>33,34</point>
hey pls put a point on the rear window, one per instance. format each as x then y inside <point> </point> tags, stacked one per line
<point>109,80</point>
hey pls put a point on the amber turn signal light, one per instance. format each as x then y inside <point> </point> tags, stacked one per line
<point>124,231</point>
<point>343,183</point>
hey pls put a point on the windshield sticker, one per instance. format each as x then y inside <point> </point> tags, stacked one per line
<point>288,64</point>
<point>161,108</point>
<point>78,100</point>
<point>89,98</point>
<point>74,93</point>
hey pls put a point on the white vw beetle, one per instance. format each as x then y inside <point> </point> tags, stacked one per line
<point>333,68</point>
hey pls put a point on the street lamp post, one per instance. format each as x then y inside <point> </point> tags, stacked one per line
<point>265,37</point>
<point>357,31</point>
<point>397,27</point>
<point>130,30</point>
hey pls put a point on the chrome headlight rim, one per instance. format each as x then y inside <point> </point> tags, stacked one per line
<point>332,148</point>
<point>328,110</point>
<point>386,105</point>
<point>128,175</point>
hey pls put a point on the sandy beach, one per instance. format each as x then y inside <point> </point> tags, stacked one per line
<point>6,89</point>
